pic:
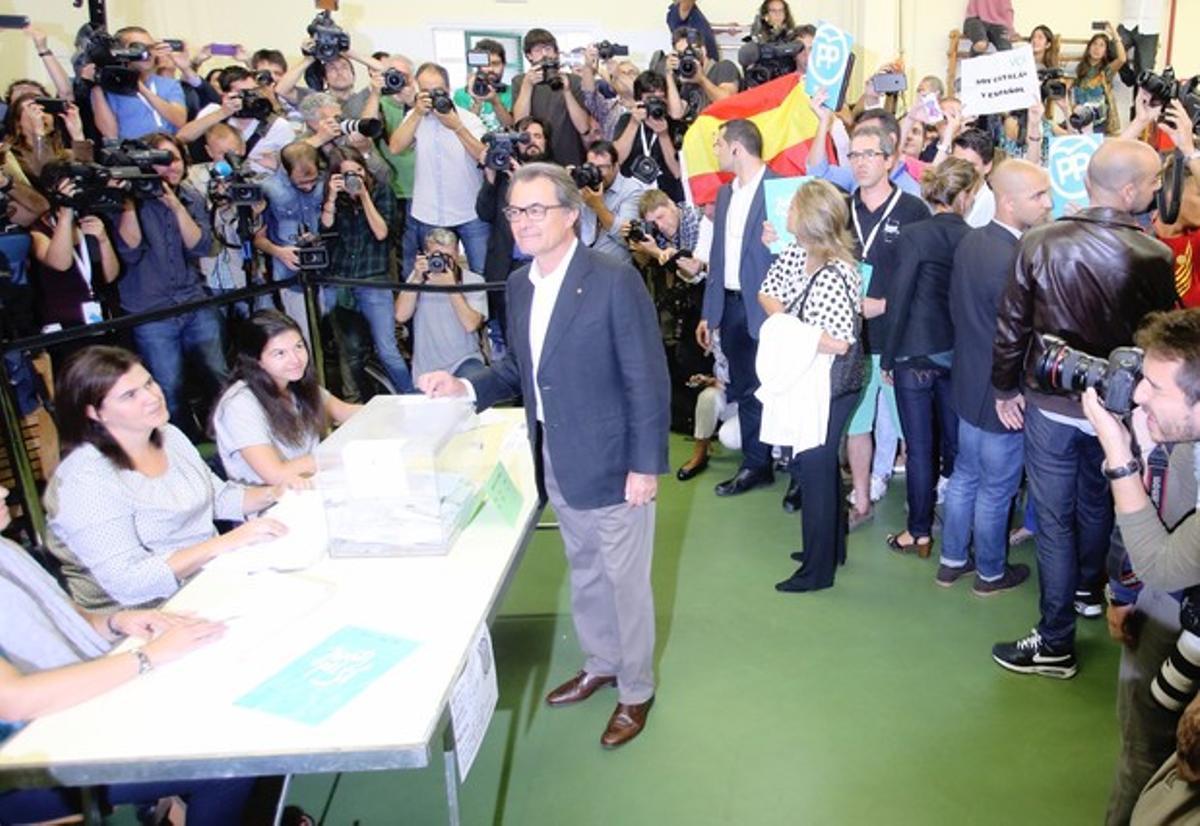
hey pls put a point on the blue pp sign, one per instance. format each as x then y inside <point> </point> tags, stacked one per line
<point>827,61</point>
<point>1068,162</point>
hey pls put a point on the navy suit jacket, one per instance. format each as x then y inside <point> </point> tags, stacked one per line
<point>983,265</point>
<point>602,375</point>
<point>756,259</point>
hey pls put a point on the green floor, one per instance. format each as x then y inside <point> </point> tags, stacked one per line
<point>873,702</point>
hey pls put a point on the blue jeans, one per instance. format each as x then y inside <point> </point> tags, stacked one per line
<point>377,307</point>
<point>473,234</point>
<point>987,472</point>
<point>1074,519</point>
<point>164,345</point>
<point>923,398</point>
<point>210,802</point>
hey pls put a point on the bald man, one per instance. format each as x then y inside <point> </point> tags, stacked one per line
<point>987,468</point>
<point>1088,278</point>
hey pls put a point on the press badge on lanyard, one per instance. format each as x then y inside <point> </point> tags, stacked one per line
<point>891,231</point>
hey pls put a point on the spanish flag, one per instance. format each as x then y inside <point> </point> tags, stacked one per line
<point>781,112</point>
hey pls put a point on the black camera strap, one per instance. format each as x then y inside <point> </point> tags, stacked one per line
<point>260,132</point>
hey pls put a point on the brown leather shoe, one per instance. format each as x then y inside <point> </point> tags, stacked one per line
<point>578,688</point>
<point>627,722</point>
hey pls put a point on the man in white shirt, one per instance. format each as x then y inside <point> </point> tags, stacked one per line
<point>586,355</point>
<point>446,179</point>
<point>248,111</point>
<point>738,262</point>
<point>978,149</point>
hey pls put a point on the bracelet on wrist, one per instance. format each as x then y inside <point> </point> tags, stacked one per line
<point>46,53</point>
<point>145,666</point>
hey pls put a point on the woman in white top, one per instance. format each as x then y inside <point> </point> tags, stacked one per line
<point>816,279</point>
<point>131,507</point>
<point>270,420</point>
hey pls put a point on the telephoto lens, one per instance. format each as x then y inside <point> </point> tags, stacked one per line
<point>367,127</point>
<point>1065,371</point>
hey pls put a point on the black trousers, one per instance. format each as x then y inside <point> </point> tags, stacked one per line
<point>823,507</point>
<point>741,349</point>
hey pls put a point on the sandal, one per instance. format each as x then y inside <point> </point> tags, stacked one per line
<point>921,549</point>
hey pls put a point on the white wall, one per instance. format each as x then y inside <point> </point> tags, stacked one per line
<point>917,29</point>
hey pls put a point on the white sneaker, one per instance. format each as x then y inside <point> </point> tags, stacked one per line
<point>943,482</point>
<point>879,486</point>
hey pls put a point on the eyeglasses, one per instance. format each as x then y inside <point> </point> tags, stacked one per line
<point>534,212</point>
<point>865,154</point>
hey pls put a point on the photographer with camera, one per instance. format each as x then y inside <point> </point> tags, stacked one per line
<point>1154,500</point>
<point>610,201</point>
<point>34,138</point>
<point>244,107</point>
<point>486,94</point>
<point>156,103</point>
<point>446,180</point>
<point>552,97</point>
<point>607,86</point>
<point>328,129</point>
<point>295,195</point>
<point>1089,278</point>
<point>644,145</point>
<point>445,325</point>
<point>503,256</point>
<point>694,77</point>
<point>160,242</point>
<point>358,214</point>
<point>1092,91</point>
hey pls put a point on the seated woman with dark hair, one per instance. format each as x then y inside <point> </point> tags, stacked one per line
<point>52,656</point>
<point>130,509</point>
<point>271,418</point>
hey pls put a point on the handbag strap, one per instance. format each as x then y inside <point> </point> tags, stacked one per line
<point>802,299</point>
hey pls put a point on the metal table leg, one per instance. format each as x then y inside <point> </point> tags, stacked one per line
<point>450,758</point>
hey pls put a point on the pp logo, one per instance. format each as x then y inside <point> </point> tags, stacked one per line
<point>830,51</point>
<point>1069,158</point>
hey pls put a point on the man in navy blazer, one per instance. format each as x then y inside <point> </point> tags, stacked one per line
<point>586,355</point>
<point>987,467</point>
<point>737,264</point>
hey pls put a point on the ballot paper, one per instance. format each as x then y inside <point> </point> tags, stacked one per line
<point>473,700</point>
<point>303,546</point>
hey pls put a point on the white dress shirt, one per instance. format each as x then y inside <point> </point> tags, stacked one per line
<point>984,209</point>
<point>735,227</point>
<point>545,296</point>
<point>446,178</point>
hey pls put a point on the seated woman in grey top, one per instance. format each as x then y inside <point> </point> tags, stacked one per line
<point>131,507</point>
<point>445,325</point>
<point>270,419</point>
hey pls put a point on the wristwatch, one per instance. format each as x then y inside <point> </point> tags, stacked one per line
<point>1131,467</point>
<point>143,660</point>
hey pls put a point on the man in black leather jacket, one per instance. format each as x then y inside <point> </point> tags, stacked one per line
<point>1088,278</point>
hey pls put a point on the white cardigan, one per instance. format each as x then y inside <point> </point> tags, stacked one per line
<point>794,383</point>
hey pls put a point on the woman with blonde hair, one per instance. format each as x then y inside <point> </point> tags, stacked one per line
<point>919,346</point>
<point>816,279</point>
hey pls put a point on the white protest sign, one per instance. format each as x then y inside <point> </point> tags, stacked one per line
<point>1000,82</point>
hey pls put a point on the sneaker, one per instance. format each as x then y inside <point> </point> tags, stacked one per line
<point>1031,655</point>
<point>1013,576</point>
<point>879,486</point>
<point>1089,603</point>
<point>942,483</point>
<point>947,575</point>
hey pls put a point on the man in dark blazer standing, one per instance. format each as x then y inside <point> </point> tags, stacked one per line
<point>586,355</point>
<point>987,468</point>
<point>737,264</point>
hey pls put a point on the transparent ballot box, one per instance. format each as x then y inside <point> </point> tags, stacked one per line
<point>402,476</point>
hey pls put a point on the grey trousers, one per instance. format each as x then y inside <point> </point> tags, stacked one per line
<point>609,551</point>
<point>1147,730</point>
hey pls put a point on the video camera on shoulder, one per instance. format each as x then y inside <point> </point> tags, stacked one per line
<point>1064,371</point>
<point>329,39</point>
<point>763,62</point>
<point>502,147</point>
<point>114,73</point>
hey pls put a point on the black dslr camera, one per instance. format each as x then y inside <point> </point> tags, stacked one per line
<point>1165,88</point>
<point>587,176</point>
<point>394,82</point>
<point>1085,115</point>
<point>1053,85</point>
<point>655,107</point>
<point>502,147</point>
<point>439,262</point>
<point>607,51</point>
<point>441,101</point>
<point>640,231</point>
<point>1065,371</point>
<point>551,75</point>
<point>255,105</point>
<point>329,39</point>
<point>645,169</point>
